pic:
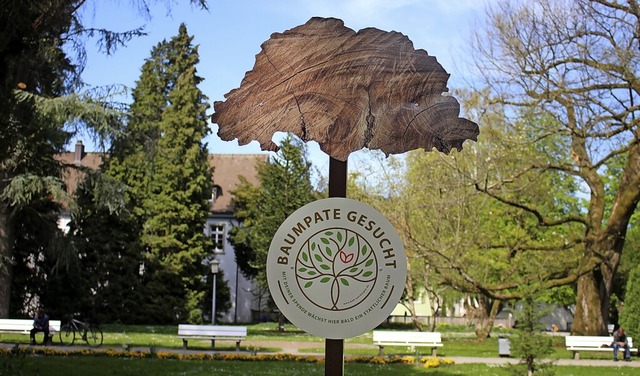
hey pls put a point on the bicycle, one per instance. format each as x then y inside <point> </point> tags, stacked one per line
<point>91,333</point>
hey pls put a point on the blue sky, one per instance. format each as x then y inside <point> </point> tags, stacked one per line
<point>229,36</point>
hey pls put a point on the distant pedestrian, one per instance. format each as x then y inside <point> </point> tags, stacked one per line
<point>40,324</point>
<point>620,340</point>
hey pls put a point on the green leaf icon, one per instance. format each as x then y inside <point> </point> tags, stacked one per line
<point>329,252</point>
<point>325,280</point>
<point>318,257</point>
<point>364,250</point>
<point>368,263</point>
<point>305,257</point>
<point>353,270</point>
<point>351,241</point>
<point>324,240</point>
<point>366,274</point>
<point>344,281</point>
<point>328,233</point>
<point>313,246</point>
<point>325,267</point>
<point>302,270</point>
<point>308,284</point>
<point>339,236</point>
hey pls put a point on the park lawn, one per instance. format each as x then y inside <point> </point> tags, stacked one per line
<point>166,337</point>
<point>456,343</point>
<point>103,366</point>
<point>466,346</point>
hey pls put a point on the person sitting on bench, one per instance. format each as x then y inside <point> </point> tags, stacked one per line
<point>620,340</point>
<point>40,324</point>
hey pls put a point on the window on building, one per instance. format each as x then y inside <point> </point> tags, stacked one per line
<point>216,192</point>
<point>216,232</point>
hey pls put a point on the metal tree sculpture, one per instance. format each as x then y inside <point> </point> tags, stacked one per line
<point>346,90</point>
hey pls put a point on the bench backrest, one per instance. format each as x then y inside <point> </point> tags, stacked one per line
<point>21,325</point>
<point>416,337</point>
<point>592,341</point>
<point>212,330</point>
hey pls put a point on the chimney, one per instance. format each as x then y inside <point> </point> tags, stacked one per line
<point>79,154</point>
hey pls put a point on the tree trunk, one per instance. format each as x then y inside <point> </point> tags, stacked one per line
<point>589,318</point>
<point>484,323</point>
<point>411,305</point>
<point>414,316</point>
<point>594,288</point>
<point>6,260</point>
<point>434,304</point>
<point>432,295</point>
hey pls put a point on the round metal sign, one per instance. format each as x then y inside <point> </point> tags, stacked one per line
<point>336,268</point>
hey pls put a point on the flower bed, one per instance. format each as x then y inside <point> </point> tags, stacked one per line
<point>428,362</point>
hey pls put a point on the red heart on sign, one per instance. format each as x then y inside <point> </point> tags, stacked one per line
<point>345,258</point>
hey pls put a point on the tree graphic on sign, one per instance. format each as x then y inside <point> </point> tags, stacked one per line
<point>336,269</point>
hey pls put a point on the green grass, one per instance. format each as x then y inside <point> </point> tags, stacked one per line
<point>456,342</point>
<point>464,346</point>
<point>99,366</point>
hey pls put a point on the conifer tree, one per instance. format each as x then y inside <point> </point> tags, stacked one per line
<point>42,56</point>
<point>529,343</point>
<point>178,204</point>
<point>285,186</point>
<point>162,158</point>
<point>630,315</point>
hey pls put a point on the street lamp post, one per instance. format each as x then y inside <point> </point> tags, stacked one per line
<point>215,266</point>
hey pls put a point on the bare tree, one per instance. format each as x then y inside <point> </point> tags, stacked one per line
<point>576,62</point>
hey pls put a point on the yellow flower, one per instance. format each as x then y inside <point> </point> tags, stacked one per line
<point>433,362</point>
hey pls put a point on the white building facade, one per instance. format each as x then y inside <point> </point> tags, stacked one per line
<point>246,297</point>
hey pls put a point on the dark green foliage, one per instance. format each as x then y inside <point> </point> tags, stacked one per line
<point>530,344</point>
<point>38,115</point>
<point>244,236</point>
<point>630,315</point>
<point>149,261</point>
<point>42,55</point>
<point>32,59</point>
<point>37,235</point>
<point>629,261</point>
<point>109,284</point>
<point>177,206</point>
<point>285,186</point>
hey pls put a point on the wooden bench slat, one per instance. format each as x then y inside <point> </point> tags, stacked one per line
<point>212,332</point>
<point>383,338</point>
<point>25,325</point>
<point>593,343</point>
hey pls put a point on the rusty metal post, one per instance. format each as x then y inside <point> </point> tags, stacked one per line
<point>337,178</point>
<point>334,348</point>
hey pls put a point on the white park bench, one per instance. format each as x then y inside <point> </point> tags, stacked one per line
<point>383,338</point>
<point>24,326</point>
<point>593,343</point>
<point>213,333</point>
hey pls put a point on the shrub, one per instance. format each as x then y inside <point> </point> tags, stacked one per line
<point>630,315</point>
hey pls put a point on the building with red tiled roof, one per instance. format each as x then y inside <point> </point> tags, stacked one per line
<point>246,298</point>
<point>227,169</point>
